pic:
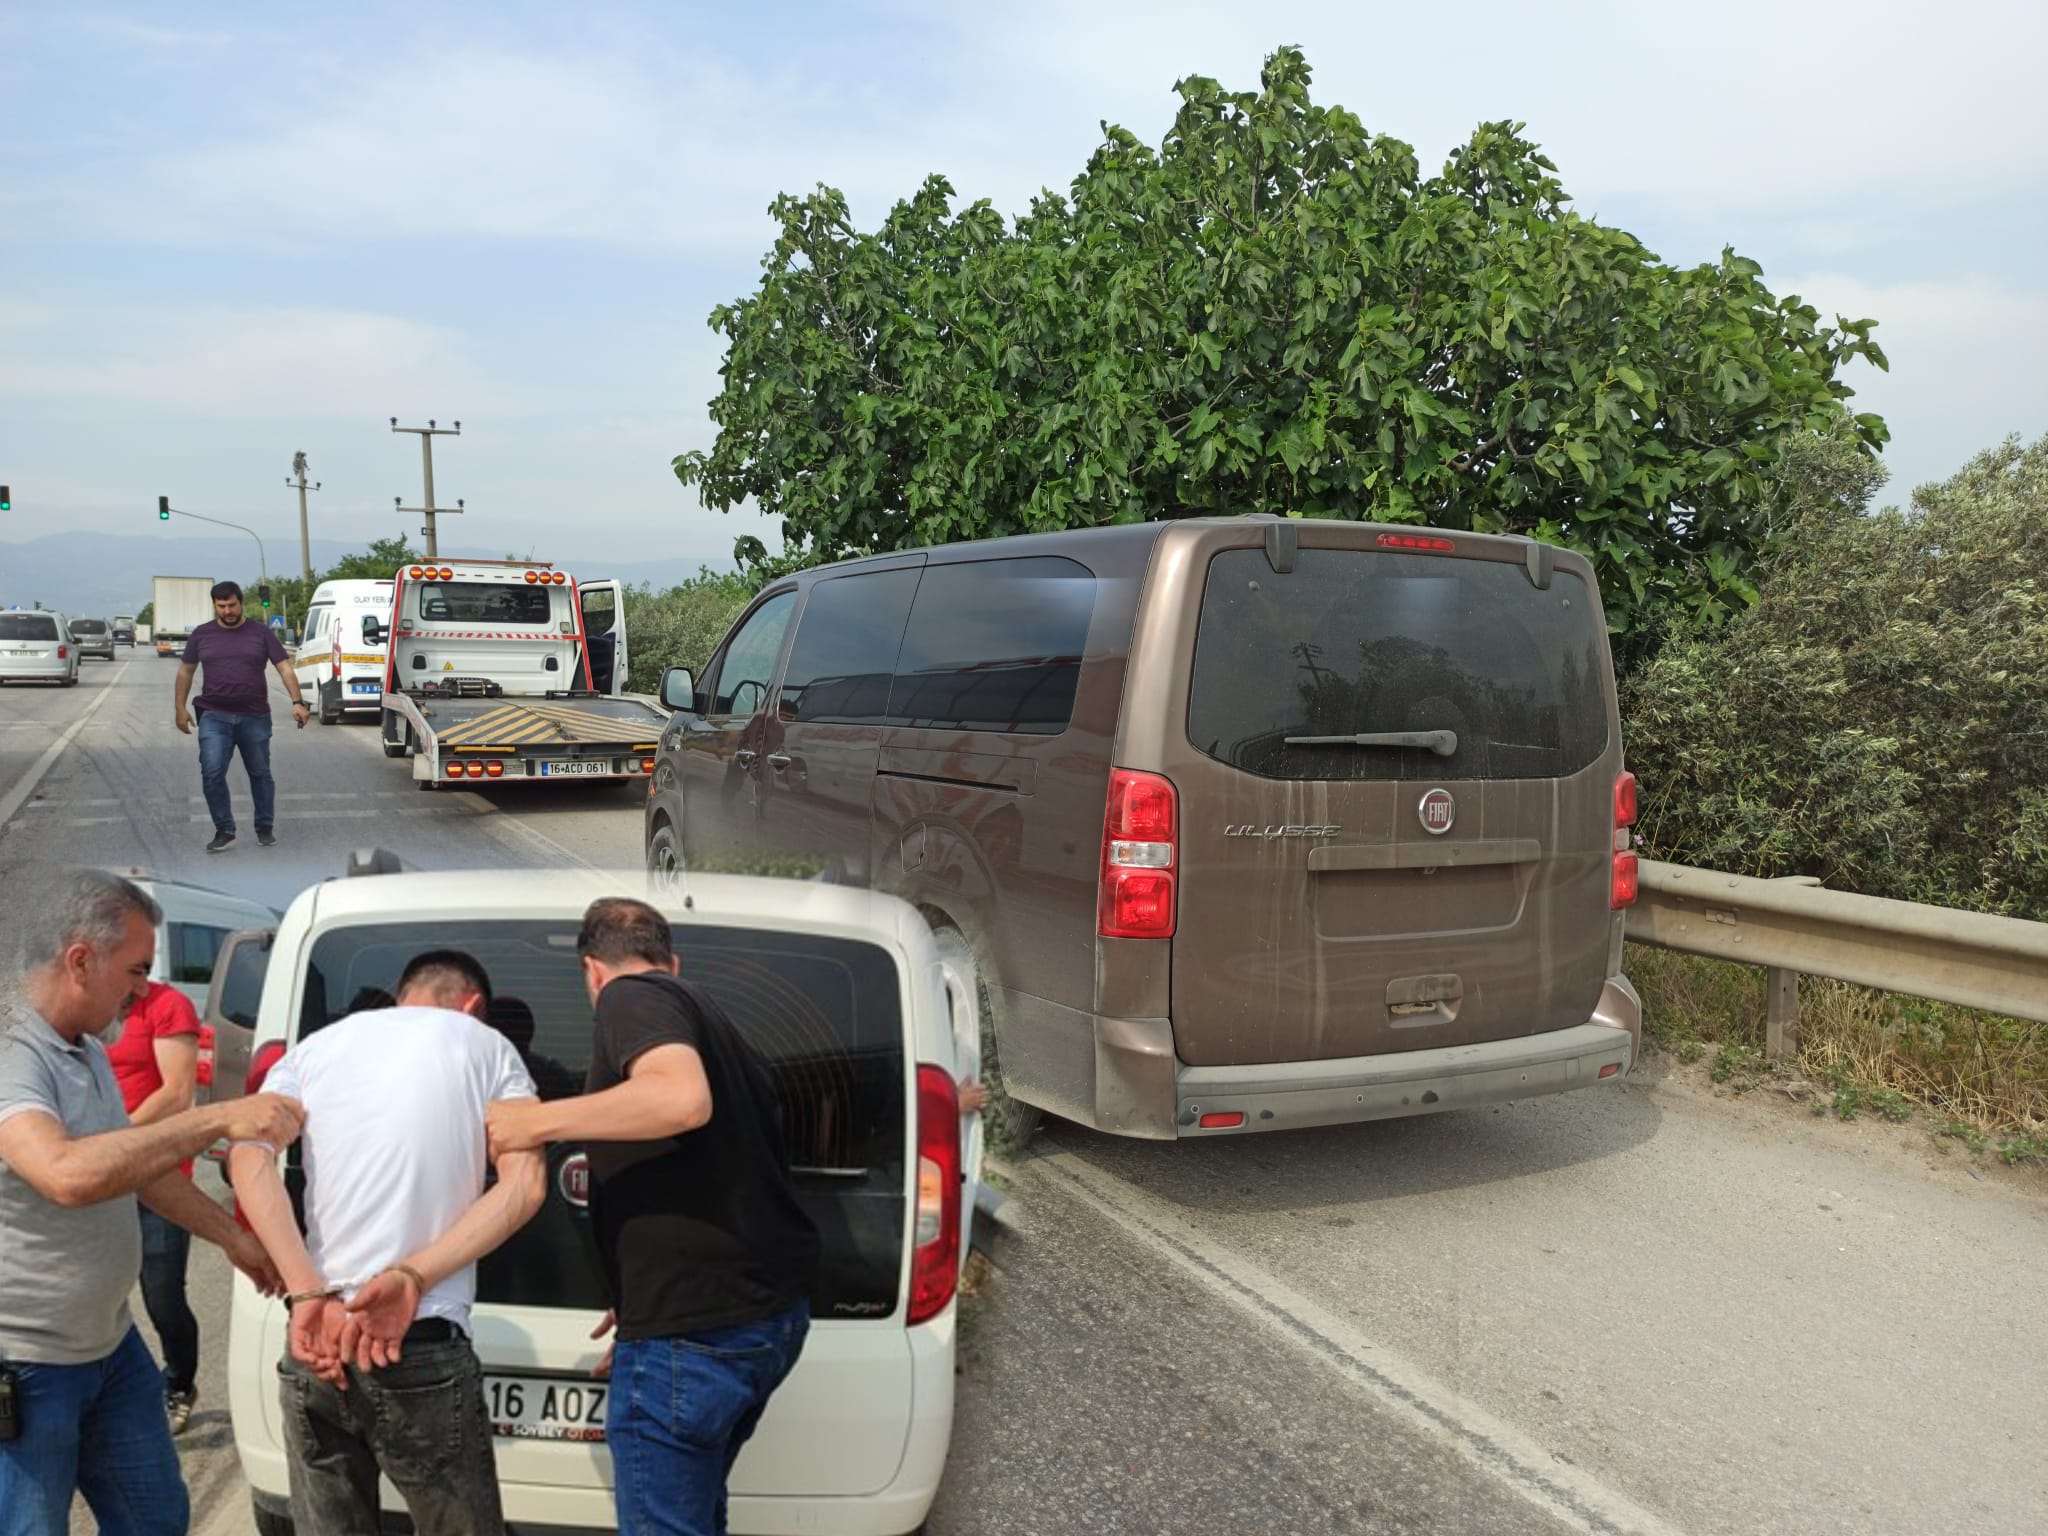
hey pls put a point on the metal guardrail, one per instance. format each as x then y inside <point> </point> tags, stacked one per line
<point>1794,928</point>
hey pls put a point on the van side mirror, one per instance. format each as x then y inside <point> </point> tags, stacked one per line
<point>678,689</point>
<point>373,631</point>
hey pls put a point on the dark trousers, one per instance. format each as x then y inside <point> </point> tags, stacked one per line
<point>166,1247</point>
<point>421,1422</point>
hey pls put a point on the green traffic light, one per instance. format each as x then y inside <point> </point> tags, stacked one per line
<point>163,509</point>
<point>6,499</point>
<point>164,516</point>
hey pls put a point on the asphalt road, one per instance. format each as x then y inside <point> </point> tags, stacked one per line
<point>1641,1308</point>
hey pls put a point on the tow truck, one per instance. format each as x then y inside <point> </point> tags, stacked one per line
<point>511,670</point>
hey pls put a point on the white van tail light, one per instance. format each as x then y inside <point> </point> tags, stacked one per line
<point>1623,883</point>
<point>935,1258</point>
<point>1140,857</point>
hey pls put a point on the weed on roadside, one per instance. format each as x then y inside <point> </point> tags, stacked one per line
<point>2028,1147</point>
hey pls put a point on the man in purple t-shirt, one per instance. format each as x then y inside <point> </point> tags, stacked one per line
<point>234,711</point>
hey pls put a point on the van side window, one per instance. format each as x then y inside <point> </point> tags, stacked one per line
<point>741,686</point>
<point>194,948</point>
<point>995,645</point>
<point>844,655</point>
<point>316,621</point>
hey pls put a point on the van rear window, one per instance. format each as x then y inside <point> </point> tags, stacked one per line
<point>825,1013</point>
<point>27,626</point>
<point>88,627</point>
<point>1358,642</point>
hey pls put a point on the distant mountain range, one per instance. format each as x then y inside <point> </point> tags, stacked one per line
<point>102,574</point>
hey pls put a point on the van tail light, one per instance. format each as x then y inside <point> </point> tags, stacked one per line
<point>1140,858</point>
<point>1624,878</point>
<point>265,1056</point>
<point>63,651</point>
<point>935,1258</point>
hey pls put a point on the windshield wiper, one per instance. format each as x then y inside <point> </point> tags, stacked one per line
<point>1442,743</point>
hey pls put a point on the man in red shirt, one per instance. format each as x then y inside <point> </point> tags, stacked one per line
<point>156,1063</point>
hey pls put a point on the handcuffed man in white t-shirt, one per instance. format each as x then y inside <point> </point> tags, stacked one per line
<point>381,1375</point>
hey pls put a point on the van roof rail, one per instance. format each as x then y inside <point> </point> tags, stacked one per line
<point>371,861</point>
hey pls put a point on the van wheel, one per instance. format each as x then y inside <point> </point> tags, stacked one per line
<point>665,857</point>
<point>269,1524</point>
<point>1010,1123</point>
<point>330,704</point>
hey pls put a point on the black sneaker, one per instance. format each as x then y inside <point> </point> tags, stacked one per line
<point>221,840</point>
<point>266,837</point>
<point>179,1405</point>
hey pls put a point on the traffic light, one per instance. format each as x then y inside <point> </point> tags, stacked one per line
<point>263,595</point>
<point>6,499</point>
<point>163,508</point>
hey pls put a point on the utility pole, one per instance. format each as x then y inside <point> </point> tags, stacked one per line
<point>427,434</point>
<point>305,541</point>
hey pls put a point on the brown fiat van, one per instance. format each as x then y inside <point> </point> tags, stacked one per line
<point>1239,823</point>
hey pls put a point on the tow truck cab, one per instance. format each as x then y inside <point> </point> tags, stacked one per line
<point>512,669</point>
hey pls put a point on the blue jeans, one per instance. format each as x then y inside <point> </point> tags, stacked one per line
<point>99,1430</point>
<point>166,1248</point>
<point>219,737</point>
<point>679,1411</point>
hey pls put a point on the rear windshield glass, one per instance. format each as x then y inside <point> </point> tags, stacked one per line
<point>88,626</point>
<point>27,626</point>
<point>484,602</point>
<point>1359,641</point>
<point>825,1013</point>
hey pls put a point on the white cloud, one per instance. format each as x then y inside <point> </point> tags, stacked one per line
<point>262,363</point>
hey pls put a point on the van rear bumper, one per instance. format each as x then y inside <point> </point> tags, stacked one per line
<point>1132,1092</point>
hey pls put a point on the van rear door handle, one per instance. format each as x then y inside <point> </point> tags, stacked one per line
<point>745,757</point>
<point>778,761</point>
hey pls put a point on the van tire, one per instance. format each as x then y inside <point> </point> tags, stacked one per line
<point>665,851</point>
<point>330,704</point>
<point>269,1524</point>
<point>1009,1122</point>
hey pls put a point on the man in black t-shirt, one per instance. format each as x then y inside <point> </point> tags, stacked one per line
<point>708,1256</point>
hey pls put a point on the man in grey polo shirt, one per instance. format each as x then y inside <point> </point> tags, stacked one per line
<point>88,1411</point>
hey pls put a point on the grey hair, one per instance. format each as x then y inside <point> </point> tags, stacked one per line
<point>92,908</point>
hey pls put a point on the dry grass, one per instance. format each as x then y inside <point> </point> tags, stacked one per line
<point>1977,1076</point>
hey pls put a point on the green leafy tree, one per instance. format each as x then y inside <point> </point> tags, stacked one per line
<point>1273,311</point>
<point>1880,717</point>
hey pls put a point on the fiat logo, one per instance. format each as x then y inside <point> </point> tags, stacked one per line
<point>573,1180</point>
<point>1437,810</point>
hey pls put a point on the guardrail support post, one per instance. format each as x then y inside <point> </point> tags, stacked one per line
<point>1781,1015</point>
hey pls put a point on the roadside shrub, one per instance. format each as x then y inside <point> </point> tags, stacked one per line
<point>1880,717</point>
<point>678,627</point>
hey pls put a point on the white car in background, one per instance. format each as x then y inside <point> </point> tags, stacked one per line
<point>845,994</point>
<point>37,647</point>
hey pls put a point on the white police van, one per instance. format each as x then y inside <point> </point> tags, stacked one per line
<point>845,994</point>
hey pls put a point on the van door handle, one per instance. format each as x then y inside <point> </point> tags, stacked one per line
<point>778,761</point>
<point>745,757</point>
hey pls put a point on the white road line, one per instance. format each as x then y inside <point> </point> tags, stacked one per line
<point>1488,1445</point>
<point>12,801</point>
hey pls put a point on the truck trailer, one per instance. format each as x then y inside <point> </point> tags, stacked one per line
<point>180,604</point>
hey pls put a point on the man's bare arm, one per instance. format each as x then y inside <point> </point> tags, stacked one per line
<point>665,1094</point>
<point>499,1212</point>
<point>259,1187</point>
<point>177,1063</point>
<point>187,670</point>
<point>290,679</point>
<point>73,1171</point>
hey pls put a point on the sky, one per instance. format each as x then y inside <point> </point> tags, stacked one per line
<point>232,232</point>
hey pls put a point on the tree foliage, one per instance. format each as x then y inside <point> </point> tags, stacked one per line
<point>1273,311</point>
<point>1880,717</point>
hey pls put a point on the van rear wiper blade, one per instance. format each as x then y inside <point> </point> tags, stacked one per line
<point>1442,743</point>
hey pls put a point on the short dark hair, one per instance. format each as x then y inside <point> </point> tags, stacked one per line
<point>223,590</point>
<point>618,928</point>
<point>440,971</point>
